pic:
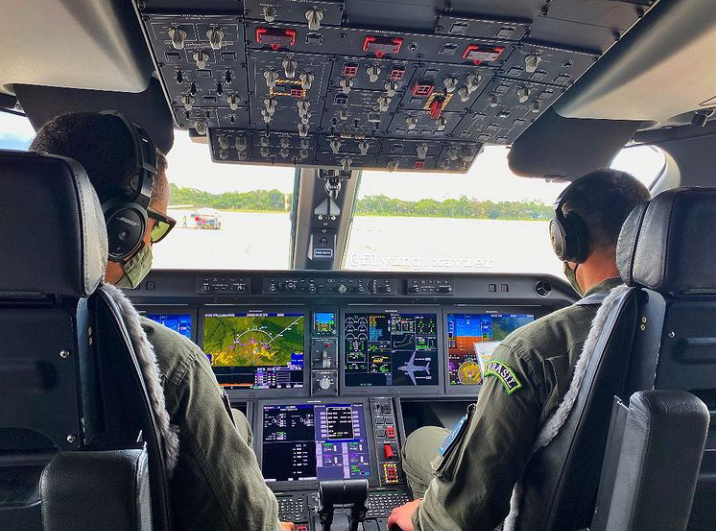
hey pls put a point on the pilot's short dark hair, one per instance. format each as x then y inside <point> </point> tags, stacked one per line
<point>604,199</point>
<point>101,144</point>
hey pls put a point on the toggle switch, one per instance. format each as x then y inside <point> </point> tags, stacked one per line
<point>240,143</point>
<point>233,100</point>
<point>201,58</point>
<point>464,94</point>
<point>450,83</point>
<point>270,104</point>
<point>441,123</point>
<point>335,146</point>
<point>532,61</point>
<point>383,103</point>
<point>188,101</point>
<point>363,147</point>
<point>269,13</point>
<point>411,121</point>
<point>472,81</point>
<point>346,84</point>
<point>373,73</point>
<point>391,88</point>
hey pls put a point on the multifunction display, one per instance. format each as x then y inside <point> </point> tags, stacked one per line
<point>473,338</point>
<point>316,442</point>
<point>256,350</point>
<point>179,322</point>
<point>391,349</point>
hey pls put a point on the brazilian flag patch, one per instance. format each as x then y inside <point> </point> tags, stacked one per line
<point>503,373</point>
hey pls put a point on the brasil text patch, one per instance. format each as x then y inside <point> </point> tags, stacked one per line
<point>503,373</point>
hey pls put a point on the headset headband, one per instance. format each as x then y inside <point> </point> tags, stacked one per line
<point>145,159</point>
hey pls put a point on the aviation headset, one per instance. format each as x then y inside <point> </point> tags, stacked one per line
<point>568,232</point>
<point>126,215</point>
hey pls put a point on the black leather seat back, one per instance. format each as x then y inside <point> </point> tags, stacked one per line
<point>69,379</point>
<point>669,248</point>
<point>561,481</point>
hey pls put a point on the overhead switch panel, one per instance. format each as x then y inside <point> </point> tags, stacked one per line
<point>351,84</point>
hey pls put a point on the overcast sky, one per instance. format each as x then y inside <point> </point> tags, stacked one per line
<point>489,178</point>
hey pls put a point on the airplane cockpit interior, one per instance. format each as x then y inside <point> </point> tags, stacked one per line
<point>359,205</point>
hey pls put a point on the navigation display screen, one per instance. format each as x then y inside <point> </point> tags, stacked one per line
<point>391,349</point>
<point>179,322</point>
<point>315,442</point>
<point>256,350</point>
<point>473,338</point>
<point>324,323</point>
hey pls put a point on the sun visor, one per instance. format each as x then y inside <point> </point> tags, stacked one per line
<point>148,109</point>
<point>567,148</point>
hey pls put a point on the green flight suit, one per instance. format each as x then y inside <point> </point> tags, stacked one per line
<point>217,484</point>
<point>469,486</point>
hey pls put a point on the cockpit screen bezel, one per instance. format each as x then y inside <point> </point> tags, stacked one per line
<point>282,486</point>
<point>412,390</point>
<point>472,390</point>
<point>242,394</point>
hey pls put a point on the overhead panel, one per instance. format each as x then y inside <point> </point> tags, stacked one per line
<point>343,83</point>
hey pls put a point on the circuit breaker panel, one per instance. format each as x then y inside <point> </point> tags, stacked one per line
<point>409,85</point>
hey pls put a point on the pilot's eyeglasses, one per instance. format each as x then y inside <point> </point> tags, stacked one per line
<point>163,226</point>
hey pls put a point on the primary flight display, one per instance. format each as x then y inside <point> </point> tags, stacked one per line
<point>256,350</point>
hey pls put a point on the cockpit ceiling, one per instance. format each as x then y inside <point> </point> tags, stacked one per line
<point>356,84</point>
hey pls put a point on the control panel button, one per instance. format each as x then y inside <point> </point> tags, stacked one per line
<point>390,432</point>
<point>388,451</point>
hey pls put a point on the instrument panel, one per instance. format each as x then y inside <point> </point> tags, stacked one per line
<point>355,84</point>
<point>335,369</point>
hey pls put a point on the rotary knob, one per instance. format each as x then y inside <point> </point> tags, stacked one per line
<point>441,123</point>
<point>303,154</point>
<point>178,36</point>
<point>412,122</point>
<point>188,101</point>
<point>346,163</point>
<point>383,103</point>
<point>289,67</point>
<point>314,17</point>
<point>200,127</point>
<point>392,165</point>
<point>452,154</point>
<point>303,130</point>
<point>306,80</point>
<point>346,84</point>
<point>271,78</point>
<point>223,142</point>
<point>269,13</point>
<point>265,152</point>
<point>270,104</point>
<point>266,116</point>
<point>373,73</point>
<point>303,107</point>
<point>240,143</point>
<point>342,288</point>
<point>324,383</point>
<point>523,94</point>
<point>464,94</point>
<point>391,87</point>
<point>450,83</point>
<point>233,101</point>
<point>494,100</point>
<point>216,38</point>
<point>283,152</point>
<point>532,61</point>
<point>264,141</point>
<point>363,146</point>
<point>422,151</point>
<point>223,154</point>
<point>284,142</point>
<point>472,82</point>
<point>200,58</point>
<point>336,148</point>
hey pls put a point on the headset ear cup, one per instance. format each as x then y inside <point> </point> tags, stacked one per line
<point>576,238</point>
<point>557,237</point>
<point>126,225</point>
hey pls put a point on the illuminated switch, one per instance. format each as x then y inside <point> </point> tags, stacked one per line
<point>397,73</point>
<point>390,432</point>
<point>388,451</point>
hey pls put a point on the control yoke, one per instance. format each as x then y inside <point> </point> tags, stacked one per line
<point>351,493</point>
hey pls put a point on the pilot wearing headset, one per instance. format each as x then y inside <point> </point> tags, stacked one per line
<point>217,483</point>
<point>462,479</point>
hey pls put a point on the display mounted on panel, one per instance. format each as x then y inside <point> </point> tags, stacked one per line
<point>473,338</point>
<point>256,350</point>
<point>179,322</point>
<point>315,442</point>
<point>391,349</point>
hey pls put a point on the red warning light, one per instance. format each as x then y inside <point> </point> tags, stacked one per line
<point>481,54</point>
<point>349,70</point>
<point>276,38</point>
<point>382,45</point>
<point>423,89</point>
<point>397,73</point>
<point>419,164</point>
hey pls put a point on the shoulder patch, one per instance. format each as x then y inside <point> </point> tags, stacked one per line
<point>503,373</point>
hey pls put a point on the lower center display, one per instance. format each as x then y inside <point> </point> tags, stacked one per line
<point>391,349</point>
<point>256,350</point>
<point>316,442</point>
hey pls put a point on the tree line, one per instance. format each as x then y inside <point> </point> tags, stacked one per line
<point>374,205</point>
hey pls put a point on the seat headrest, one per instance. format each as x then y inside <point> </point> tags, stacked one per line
<point>669,244</point>
<point>52,233</point>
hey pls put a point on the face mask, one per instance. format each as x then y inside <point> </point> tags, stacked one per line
<point>137,268</point>
<point>571,275</point>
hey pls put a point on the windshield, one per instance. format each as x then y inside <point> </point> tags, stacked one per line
<point>488,220</point>
<point>238,216</point>
<point>228,216</point>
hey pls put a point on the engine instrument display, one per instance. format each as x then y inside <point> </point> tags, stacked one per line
<point>391,349</point>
